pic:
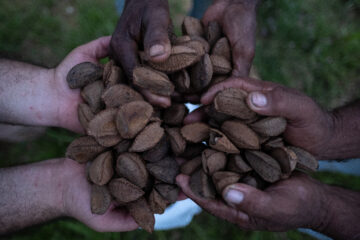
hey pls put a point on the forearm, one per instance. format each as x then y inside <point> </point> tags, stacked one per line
<point>30,194</point>
<point>342,214</point>
<point>345,140</point>
<point>27,94</point>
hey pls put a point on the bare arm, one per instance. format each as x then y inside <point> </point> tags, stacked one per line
<point>27,94</point>
<point>30,194</point>
<point>39,192</point>
<point>32,95</point>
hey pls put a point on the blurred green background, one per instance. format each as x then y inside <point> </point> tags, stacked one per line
<point>312,45</point>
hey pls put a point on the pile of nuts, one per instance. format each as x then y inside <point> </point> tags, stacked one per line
<point>131,146</point>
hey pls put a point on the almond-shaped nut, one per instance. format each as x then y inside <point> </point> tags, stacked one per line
<point>100,199</point>
<point>158,152</point>
<point>254,181</point>
<point>181,57</point>
<point>191,166</point>
<point>103,128</point>
<point>120,94</point>
<point>237,164</point>
<point>181,80</point>
<point>124,191</point>
<point>220,64</point>
<point>84,149</point>
<point>132,167</point>
<point>132,117</point>
<point>197,46</point>
<point>83,74</point>
<point>213,161</point>
<point>203,42</point>
<point>201,73</point>
<point>213,32</point>
<point>147,138</point>
<point>270,126</point>
<point>122,146</point>
<point>177,142</point>
<point>240,134</point>
<point>216,115</point>
<point>152,80</point>
<point>168,191</point>
<point>201,185</point>
<point>92,95</point>
<point>221,142</point>
<point>264,165</point>
<point>85,115</point>
<point>287,159</point>
<point>232,101</point>
<point>222,179</point>
<point>195,132</point>
<point>101,169</point>
<point>142,214</point>
<point>273,143</point>
<point>306,161</point>
<point>181,39</point>
<point>192,26</point>
<point>175,114</point>
<point>112,74</point>
<point>164,170</point>
<point>157,203</point>
<point>222,48</point>
<point>193,150</point>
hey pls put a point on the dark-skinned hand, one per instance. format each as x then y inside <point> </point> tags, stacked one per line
<point>142,24</point>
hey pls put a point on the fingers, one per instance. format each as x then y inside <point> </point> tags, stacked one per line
<point>96,49</point>
<point>214,13</point>
<point>156,99</point>
<point>281,101</point>
<point>246,84</point>
<point>215,207</point>
<point>198,115</point>
<point>115,220</point>
<point>156,40</point>
<point>239,26</point>
<point>245,198</point>
<point>124,50</point>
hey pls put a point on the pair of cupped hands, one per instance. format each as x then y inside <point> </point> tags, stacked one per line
<point>285,205</point>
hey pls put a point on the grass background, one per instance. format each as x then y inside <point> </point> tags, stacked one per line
<point>312,45</point>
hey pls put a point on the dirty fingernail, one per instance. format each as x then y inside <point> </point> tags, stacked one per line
<point>156,50</point>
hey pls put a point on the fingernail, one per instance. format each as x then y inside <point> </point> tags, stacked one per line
<point>156,50</point>
<point>258,99</point>
<point>234,196</point>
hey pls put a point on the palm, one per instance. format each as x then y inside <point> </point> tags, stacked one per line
<point>77,204</point>
<point>69,98</point>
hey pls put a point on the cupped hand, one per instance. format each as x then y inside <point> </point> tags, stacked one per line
<point>237,18</point>
<point>68,99</point>
<point>76,203</point>
<point>308,125</point>
<point>143,24</point>
<point>288,204</point>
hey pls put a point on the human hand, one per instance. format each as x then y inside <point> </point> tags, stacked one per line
<point>76,202</point>
<point>143,23</point>
<point>308,125</point>
<point>237,18</point>
<point>299,201</point>
<point>67,98</point>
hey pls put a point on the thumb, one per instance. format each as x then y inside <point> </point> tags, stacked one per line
<point>247,199</point>
<point>280,101</point>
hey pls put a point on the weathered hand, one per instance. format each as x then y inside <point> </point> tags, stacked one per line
<point>238,21</point>
<point>76,199</point>
<point>68,99</point>
<point>309,126</point>
<point>289,204</point>
<point>142,24</point>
